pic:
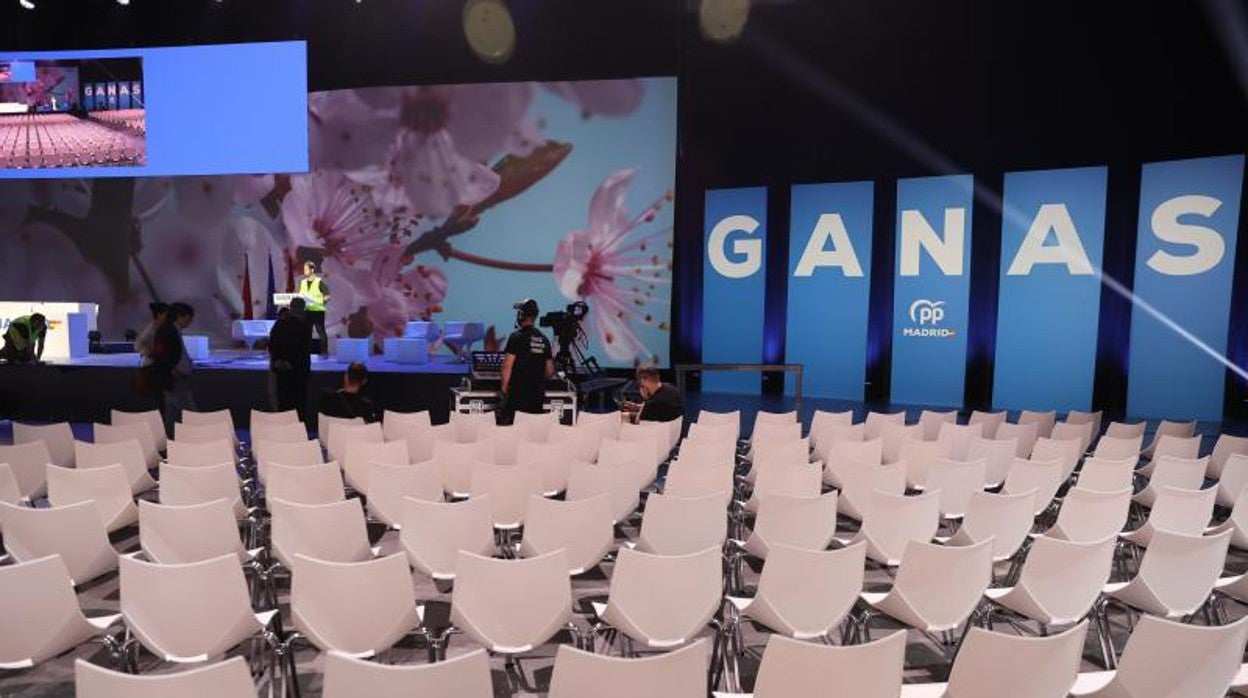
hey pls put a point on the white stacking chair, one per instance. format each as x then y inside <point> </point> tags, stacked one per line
<point>1090,515</point>
<point>990,665</point>
<point>797,669</point>
<point>892,521</point>
<point>1176,576</point>
<point>503,442</point>
<point>1237,522</point>
<point>1126,430</point>
<point>1224,448</point>
<point>843,432</point>
<point>621,454</point>
<point>958,437</point>
<point>893,436</point>
<point>184,432</point>
<point>716,418</point>
<point>106,487</point>
<point>586,480</point>
<point>291,432</point>
<point>419,438</point>
<point>334,532</point>
<point>1170,471</point>
<point>874,423</point>
<point>434,533</point>
<point>693,480</point>
<point>937,588</point>
<point>9,491</point>
<point>342,435</point>
<point>1234,480</point>
<point>1185,511</point>
<point>777,451</point>
<point>201,418</point>
<point>358,608</point>
<point>29,463</point>
<point>840,455</point>
<point>185,486</point>
<point>127,454</point>
<point>1093,418</point>
<point>324,422</point>
<point>1059,583</point>
<point>535,426</point>
<point>679,673</point>
<point>389,485</point>
<point>290,453</point>
<point>1006,519</point>
<point>466,676</point>
<point>191,612</point>
<point>635,440</point>
<point>998,456</point>
<point>676,526</point>
<point>394,422</point>
<point>1106,475</point>
<point>455,461</point>
<point>75,533</point>
<point>263,417</point>
<point>765,417</point>
<point>804,594</point>
<point>1075,430</point>
<point>1168,428</point>
<point>955,483</point>
<point>1068,451</point>
<point>306,484</point>
<point>152,418</point>
<point>719,450</point>
<point>1174,447</point>
<point>1177,660</point>
<point>1044,421</point>
<point>1024,435</point>
<point>583,529</point>
<point>1112,448</point>
<point>192,454</point>
<point>606,424</point>
<point>227,679</point>
<point>468,426</point>
<point>790,481</point>
<point>361,455</point>
<point>552,460</point>
<point>860,482</point>
<point>918,456</point>
<point>40,614</point>
<point>663,601</point>
<point>990,420</point>
<point>806,523</point>
<point>58,437</point>
<point>126,431</point>
<point>511,606</point>
<point>507,488</point>
<point>707,431</point>
<point>1042,477</point>
<point>174,535</point>
<point>933,421</point>
<point>823,421</point>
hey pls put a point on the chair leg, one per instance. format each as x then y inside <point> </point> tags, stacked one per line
<point>1100,613</point>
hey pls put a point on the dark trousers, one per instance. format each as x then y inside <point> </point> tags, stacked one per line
<point>292,391</point>
<point>529,401</point>
<point>317,318</point>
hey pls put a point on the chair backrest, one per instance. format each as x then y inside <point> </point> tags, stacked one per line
<point>582,528</point>
<point>943,584</point>
<point>1042,477</point>
<point>664,600</point>
<point>9,490</point>
<point>75,533</point>
<point>508,488</point>
<point>262,417</point>
<point>171,535</point>
<point>1106,475</point>
<point>1091,515</point>
<point>1025,435</point>
<point>152,418</point>
<point>227,679</point>
<point>389,485</point>
<point>1093,418</point>
<point>433,533</point>
<point>125,431</point>
<point>991,664</point>
<point>455,461</point>
<point>392,423</point>
<point>790,480</point>
<point>720,449</point>
<point>306,452</point>
<point>765,417</point>
<point>1064,578</point>
<point>780,451</point>
<point>586,480</point>
<point>1068,451</point>
<point>127,454</point>
<point>40,611</point>
<point>341,434</point>
<point>1161,655</point>
<point>1044,421</point>
<point>107,487</point>
<point>1234,480</point>
<point>875,422</point>
<point>324,421</point>
<point>534,426</point>
<point>822,421</point>
<point>58,437</point>
<point>189,455</point>
<point>918,457</point>
<point>359,608</point>
<point>287,432</point>
<point>1119,448</point>
<point>305,484</point>
<point>678,526</point>
<point>1006,518</point>
<point>1183,473</point>
<point>891,521</point>
<point>1176,447</point>
<point>932,421</point>
<point>796,669</point>
<point>28,462</point>
<point>1075,430</point>
<point>1181,570</point>
<point>552,460</point>
<point>187,433</point>
<point>958,437</point>
<point>808,523</point>
<point>894,435</point>
<point>1169,428</point>
<point>209,417</point>
<point>334,532</point>
<point>1126,430</point>
<point>467,426</point>
<point>863,452</point>
<point>511,606</point>
<point>681,672</point>
<point>708,417</point>
<point>807,593</point>
<point>607,424</point>
<point>651,433</point>
<point>466,675</point>
<point>360,456</point>
<point>956,482</point>
<point>990,420</point>
<point>695,479</point>
<point>622,454</point>
<point>154,602</point>
<point>419,437</point>
<point>998,456</point>
<point>184,486</point>
<point>859,482</point>
<point>1222,449</point>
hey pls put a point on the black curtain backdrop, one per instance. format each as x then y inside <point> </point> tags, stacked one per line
<point>815,91</point>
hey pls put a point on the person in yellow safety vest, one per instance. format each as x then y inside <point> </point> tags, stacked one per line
<point>24,339</point>
<point>316,294</point>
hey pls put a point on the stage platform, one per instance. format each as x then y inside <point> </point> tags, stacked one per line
<point>85,389</point>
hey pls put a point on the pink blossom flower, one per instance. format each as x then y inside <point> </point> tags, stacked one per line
<point>326,210</point>
<point>391,291</point>
<point>250,189</point>
<point>205,200</point>
<point>344,132</point>
<point>603,97</point>
<point>615,268</point>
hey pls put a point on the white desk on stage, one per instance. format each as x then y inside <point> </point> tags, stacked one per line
<point>68,325</point>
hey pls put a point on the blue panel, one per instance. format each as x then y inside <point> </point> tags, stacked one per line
<point>1185,259</point>
<point>733,286</point>
<point>1052,238</point>
<point>829,286</point>
<point>930,302</point>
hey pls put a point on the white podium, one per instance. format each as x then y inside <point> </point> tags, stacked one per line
<point>68,325</point>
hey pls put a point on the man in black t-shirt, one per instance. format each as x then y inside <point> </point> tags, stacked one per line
<point>526,366</point>
<point>348,402</point>
<point>290,358</point>
<point>662,401</point>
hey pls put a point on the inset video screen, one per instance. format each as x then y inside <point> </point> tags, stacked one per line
<point>156,111</point>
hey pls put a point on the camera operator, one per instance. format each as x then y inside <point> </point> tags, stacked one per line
<point>526,366</point>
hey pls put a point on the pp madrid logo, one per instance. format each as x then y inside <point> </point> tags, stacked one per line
<point>925,318</point>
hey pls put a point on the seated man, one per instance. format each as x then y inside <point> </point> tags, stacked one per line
<point>661,401</point>
<point>23,341</point>
<point>347,401</point>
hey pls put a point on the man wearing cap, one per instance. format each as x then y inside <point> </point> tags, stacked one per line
<point>23,341</point>
<point>526,366</point>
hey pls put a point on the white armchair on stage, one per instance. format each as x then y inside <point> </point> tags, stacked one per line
<point>347,350</point>
<point>413,346</point>
<point>251,331</point>
<point>460,336</point>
